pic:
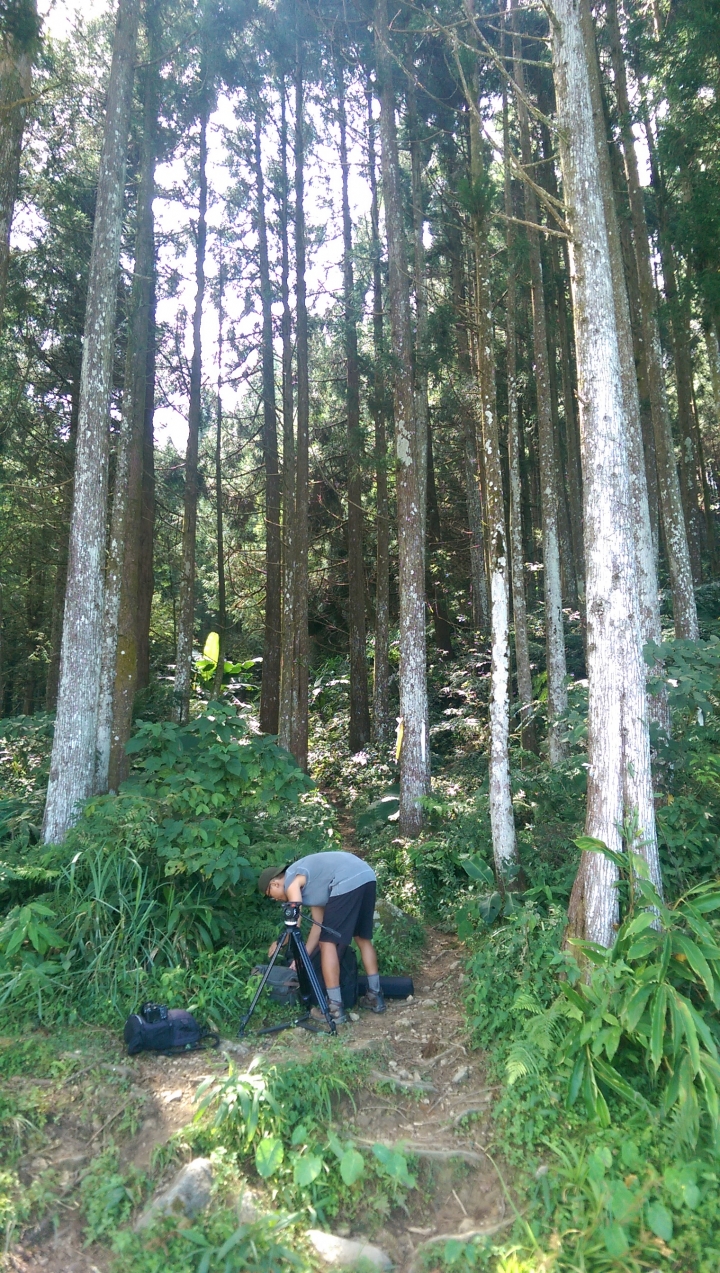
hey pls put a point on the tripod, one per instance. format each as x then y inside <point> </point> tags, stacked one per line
<point>291,936</point>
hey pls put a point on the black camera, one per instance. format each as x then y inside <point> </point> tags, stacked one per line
<point>153,1012</point>
<point>291,913</point>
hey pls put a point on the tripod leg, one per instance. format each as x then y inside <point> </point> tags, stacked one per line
<point>284,936</point>
<point>298,946</point>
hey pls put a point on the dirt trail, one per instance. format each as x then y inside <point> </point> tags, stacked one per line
<point>426,1093</point>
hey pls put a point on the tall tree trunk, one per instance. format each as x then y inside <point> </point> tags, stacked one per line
<point>186,618</point>
<point>219,526</point>
<point>554,633</point>
<point>466,395</point>
<point>301,642</point>
<point>270,691</point>
<point>119,661</point>
<point>288,474</point>
<point>378,408</point>
<point>502,819</point>
<point>146,581</point>
<point>72,765</point>
<point>58,606</point>
<point>359,705</point>
<point>17,49</point>
<point>676,542</point>
<point>517,560</point>
<point>411,459</point>
<point>619,778</point>
<point>436,592</point>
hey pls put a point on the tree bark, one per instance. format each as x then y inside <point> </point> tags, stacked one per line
<point>219,526</point>
<point>517,560</point>
<point>288,474</point>
<point>676,542</point>
<point>270,691</point>
<point>436,592</point>
<point>301,639</point>
<point>119,663</point>
<point>554,632</point>
<point>56,623</point>
<point>502,821</point>
<point>359,705</point>
<point>411,457</point>
<point>619,778</point>
<point>466,391</point>
<point>378,408</point>
<point>186,619</point>
<point>72,765</point>
<point>146,580</point>
<point>17,50</point>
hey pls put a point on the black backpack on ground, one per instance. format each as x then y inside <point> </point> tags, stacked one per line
<point>158,1029</point>
<point>348,978</point>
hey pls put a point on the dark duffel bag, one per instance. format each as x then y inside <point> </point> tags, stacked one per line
<point>348,978</point>
<point>282,983</point>
<point>158,1029</point>
<point>392,987</point>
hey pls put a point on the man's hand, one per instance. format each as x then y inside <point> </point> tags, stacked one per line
<point>272,949</point>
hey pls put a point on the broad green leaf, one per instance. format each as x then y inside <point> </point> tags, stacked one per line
<point>269,1156</point>
<point>696,960</point>
<point>622,1202</point>
<point>306,1169</point>
<point>211,652</point>
<point>300,1135</point>
<point>638,925</point>
<point>352,1165</point>
<point>634,1009</point>
<point>576,1078</point>
<point>615,1239</point>
<point>479,870</point>
<point>660,1221</point>
<point>690,1031</point>
<point>657,1032</point>
<point>630,1155</point>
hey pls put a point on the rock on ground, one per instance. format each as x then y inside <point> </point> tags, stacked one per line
<point>346,1253</point>
<point>189,1193</point>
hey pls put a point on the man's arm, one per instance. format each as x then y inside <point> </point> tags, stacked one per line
<point>295,888</point>
<point>318,914</point>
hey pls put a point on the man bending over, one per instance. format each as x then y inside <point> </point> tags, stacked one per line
<point>340,890</point>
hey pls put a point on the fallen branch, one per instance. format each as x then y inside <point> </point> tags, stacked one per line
<point>418,1085</point>
<point>112,1118</point>
<point>425,1151</point>
<point>484,1232</point>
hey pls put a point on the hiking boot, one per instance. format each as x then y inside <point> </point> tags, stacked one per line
<point>337,1012</point>
<point>374,1000</point>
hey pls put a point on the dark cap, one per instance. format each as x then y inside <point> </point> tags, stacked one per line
<point>270,873</point>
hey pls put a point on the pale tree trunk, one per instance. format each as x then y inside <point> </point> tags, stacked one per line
<point>53,669</point>
<point>288,473</point>
<point>517,563</point>
<point>682,362</point>
<point>270,691</point>
<point>72,765</point>
<point>119,661</point>
<point>301,639</point>
<point>16,63</point>
<point>411,460</point>
<point>378,408</point>
<point>219,521</point>
<point>502,820</point>
<point>466,393</point>
<point>619,777</point>
<point>554,633</point>
<point>676,542</point>
<point>146,580</point>
<point>186,617</point>
<point>359,705</point>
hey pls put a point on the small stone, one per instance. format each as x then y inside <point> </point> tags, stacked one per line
<point>248,1207</point>
<point>169,1097</point>
<point>410,999</point>
<point>460,1075</point>
<point>428,1003</point>
<point>392,1065</point>
<point>346,1253</point>
<point>467,1224</point>
<point>39,1164</point>
<point>354,1016</point>
<point>189,1192</point>
<point>416,1076</point>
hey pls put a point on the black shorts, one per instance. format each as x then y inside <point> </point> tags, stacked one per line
<point>351,915</point>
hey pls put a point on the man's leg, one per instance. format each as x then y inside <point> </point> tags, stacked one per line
<point>330,965</point>
<point>368,956</point>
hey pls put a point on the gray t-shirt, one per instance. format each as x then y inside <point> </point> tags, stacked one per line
<point>329,875</point>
